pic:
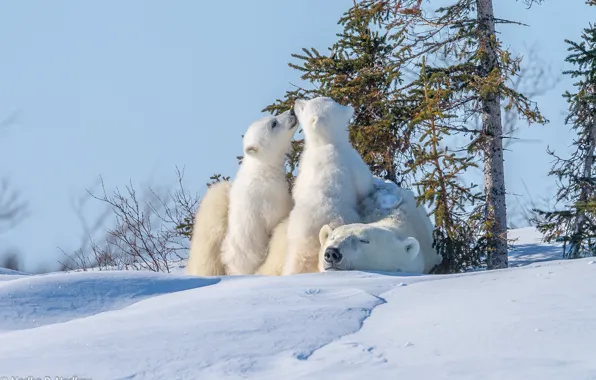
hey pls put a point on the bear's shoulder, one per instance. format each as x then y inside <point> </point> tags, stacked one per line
<point>385,198</point>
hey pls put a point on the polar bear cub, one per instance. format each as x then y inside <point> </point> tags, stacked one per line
<point>396,240</point>
<point>209,231</point>
<point>235,220</point>
<point>332,179</point>
<point>276,252</point>
<point>259,197</point>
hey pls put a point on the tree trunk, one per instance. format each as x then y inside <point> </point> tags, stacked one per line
<point>585,193</point>
<point>494,174</point>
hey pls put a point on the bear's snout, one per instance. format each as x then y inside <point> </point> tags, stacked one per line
<point>293,119</point>
<point>333,255</point>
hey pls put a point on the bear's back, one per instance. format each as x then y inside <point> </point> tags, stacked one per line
<point>324,177</point>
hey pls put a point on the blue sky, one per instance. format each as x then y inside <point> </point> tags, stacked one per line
<point>131,89</point>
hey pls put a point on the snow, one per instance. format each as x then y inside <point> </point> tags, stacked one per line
<point>529,248</point>
<point>33,301</point>
<point>528,322</point>
<point>10,272</point>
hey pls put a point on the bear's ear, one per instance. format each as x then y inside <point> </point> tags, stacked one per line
<point>324,233</point>
<point>251,150</point>
<point>412,247</point>
<point>299,105</point>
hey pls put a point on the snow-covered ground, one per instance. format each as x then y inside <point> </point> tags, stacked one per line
<point>532,321</point>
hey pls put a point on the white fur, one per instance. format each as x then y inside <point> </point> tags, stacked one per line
<point>259,197</point>
<point>332,178</point>
<point>209,231</point>
<point>399,239</point>
<point>276,252</point>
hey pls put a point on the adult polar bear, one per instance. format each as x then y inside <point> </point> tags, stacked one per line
<point>396,236</point>
<point>332,179</point>
<point>235,220</point>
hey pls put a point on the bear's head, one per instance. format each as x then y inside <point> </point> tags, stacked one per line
<point>368,247</point>
<point>323,119</point>
<point>270,138</point>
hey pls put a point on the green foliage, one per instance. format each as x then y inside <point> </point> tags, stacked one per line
<point>362,69</point>
<point>185,228</point>
<point>400,128</point>
<point>575,221</point>
<point>480,72</point>
<point>439,170</point>
<point>216,178</point>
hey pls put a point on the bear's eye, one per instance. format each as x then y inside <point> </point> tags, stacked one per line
<point>273,124</point>
<point>364,241</point>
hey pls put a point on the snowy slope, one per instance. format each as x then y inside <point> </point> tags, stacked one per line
<point>530,322</point>
<point>9,274</point>
<point>529,248</point>
<point>33,301</point>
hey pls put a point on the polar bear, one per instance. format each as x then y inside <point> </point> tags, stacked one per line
<point>332,179</point>
<point>235,220</point>
<point>259,197</point>
<point>276,251</point>
<point>209,231</point>
<point>394,237</point>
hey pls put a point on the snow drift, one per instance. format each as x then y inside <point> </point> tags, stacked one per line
<point>530,322</point>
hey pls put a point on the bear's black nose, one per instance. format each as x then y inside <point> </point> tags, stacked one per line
<point>333,255</point>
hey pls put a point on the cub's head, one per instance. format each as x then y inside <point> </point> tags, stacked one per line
<point>323,118</point>
<point>269,138</point>
<point>367,247</point>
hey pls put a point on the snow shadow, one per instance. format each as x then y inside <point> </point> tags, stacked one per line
<point>9,274</point>
<point>525,254</point>
<point>4,271</point>
<point>33,301</point>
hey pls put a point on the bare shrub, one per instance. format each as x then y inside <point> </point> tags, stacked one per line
<point>536,78</point>
<point>523,212</point>
<point>11,260</point>
<point>145,234</point>
<point>13,209</point>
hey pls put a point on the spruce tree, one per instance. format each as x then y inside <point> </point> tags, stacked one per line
<point>455,205</point>
<point>361,69</point>
<point>575,222</point>
<point>480,69</point>
<point>382,38</point>
<point>185,228</point>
